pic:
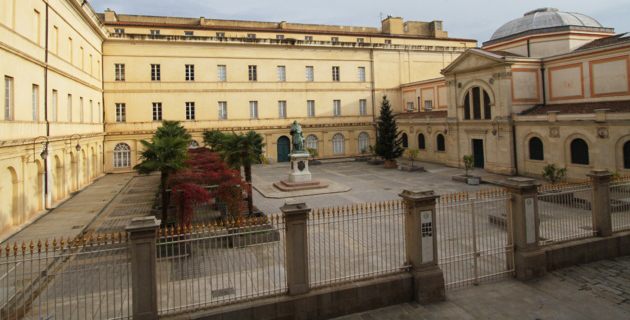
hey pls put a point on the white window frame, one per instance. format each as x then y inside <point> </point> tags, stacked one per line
<point>189,33</point>
<point>121,112</point>
<point>91,111</point>
<point>410,106</point>
<point>282,109</point>
<point>279,37</point>
<point>310,108</point>
<point>337,108</point>
<point>360,40</point>
<point>122,156</point>
<point>222,110</point>
<point>308,38</point>
<point>361,71</point>
<point>155,32</point>
<point>190,72</point>
<point>336,74</point>
<point>338,144</point>
<point>157,111</point>
<point>251,36</point>
<point>8,98</point>
<point>388,41</point>
<point>282,74</point>
<point>334,39</point>
<point>80,109</point>
<point>220,34</point>
<point>119,31</point>
<point>312,142</point>
<point>69,108</point>
<point>428,105</point>
<point>252,72</point>
<point>364,141</point>
<point>310,74</point>
<point>119,72</point>
<point>221,73</point>
<point>156,74</point>
<point>190,111</point>
<point>99,112</point>
<point>253,109</point>
<point>35,102</point>
<point>55,102</point>
<point>363,107</point>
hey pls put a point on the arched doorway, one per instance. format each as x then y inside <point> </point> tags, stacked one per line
<point>9,198</point>
<point>40,199</point>
<point>58,179</point>
<point>284,148</point>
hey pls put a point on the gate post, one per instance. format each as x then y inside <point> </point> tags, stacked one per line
<point>421,245</point>
<point>524,221</point>
<point>296,214</point>
<point>142,237</point>
<point>602,223</point>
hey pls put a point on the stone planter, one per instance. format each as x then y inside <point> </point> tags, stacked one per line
<point>391,164</point>
<point>313,162</point>
<point>411,168</point>
<point>464,178</point>
<point>362,158</point>
<point>375,162</point>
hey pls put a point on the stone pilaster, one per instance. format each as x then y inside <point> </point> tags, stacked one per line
<point>295,216</point>
<point>142,237</point>
<point>602,223</point>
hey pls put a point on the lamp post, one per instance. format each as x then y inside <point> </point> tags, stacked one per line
<point>78,147</point>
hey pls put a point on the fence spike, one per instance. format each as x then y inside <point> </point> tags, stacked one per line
<point>23,247</point>
<point>8,250</point>
<point>105,238</point>
<point>39,246</point>
<point>54,244</point>
<point>31,246</point>
<point>61,243</point>
<point>15,248</point>
<point>77,241</point>
<point>84,240</point>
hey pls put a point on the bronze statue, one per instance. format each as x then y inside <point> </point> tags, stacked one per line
<point>298,139</point>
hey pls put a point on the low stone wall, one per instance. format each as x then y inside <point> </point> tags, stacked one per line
<point>587,250</point>
<point>322,303</point>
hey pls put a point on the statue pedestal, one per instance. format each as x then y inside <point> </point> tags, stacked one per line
<point>299,168</point>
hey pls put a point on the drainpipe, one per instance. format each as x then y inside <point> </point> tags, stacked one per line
<point>373,87</point>
<point>528,50</point>
<point>46,108</point>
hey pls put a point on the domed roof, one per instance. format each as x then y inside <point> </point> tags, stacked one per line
<point>544,18</point>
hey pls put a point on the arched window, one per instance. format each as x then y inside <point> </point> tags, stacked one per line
<point>441,146</point>
<point>122,156</point>
<point>338,144</point>
<point>311,141</point>
<point>536,149</point>
<point>626,155</point>
<point>579,152</point>
<point>193,144</point>
<point>477,104</point>
<point>421,144</point>
<point>405,141</point>
<point>364,142</point>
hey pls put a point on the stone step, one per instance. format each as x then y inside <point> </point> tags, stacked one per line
<point>287,186</point>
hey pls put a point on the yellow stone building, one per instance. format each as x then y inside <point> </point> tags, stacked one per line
<point>81,89</point>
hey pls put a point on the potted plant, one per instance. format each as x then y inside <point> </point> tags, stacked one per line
<point>374,160</point>
<point>313,153</point>
<point>363,157</point>
<point>412,154</point>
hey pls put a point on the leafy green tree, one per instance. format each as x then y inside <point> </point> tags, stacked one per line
<point>388,143</point>
<point>174,129</point>
<point>413,154</point>
<point>213,139</point>
<point>469,163</point>
<point>167,155</point>
<point>243,150</point>
<point>553,172</point>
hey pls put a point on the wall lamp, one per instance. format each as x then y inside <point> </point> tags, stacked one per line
<point>445,124</point>
<point>78,147</point>
<point>495,127</point>
<point>44,153</point>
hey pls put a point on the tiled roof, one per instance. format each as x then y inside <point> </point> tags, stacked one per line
<point>504,53</point>
<point>581,108</point>
<point>422,115</point>
<point>619,38</point>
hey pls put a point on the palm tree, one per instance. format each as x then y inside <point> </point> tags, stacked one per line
<point>213,139</point>
<point>172,128</point>
<point>167,155</point>
<point>243,150</point>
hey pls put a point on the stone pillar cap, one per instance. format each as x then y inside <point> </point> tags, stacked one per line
<point>599,173</point>
<point>294,205</point>
<point>418,193</point>
<point>142,224</point>
<point>520,182</point>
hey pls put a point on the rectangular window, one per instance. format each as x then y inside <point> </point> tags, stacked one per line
<point>37,27</point>
<point>35,102</point>
<point>309,74</point>
<point>222,110</point>
<point>81,109</point>
<point>428,105</point>
<point>119,72</point>
<point>281,74</point>
<point>253,109</point>
<point>54,102</point>
<point>70,53</point>
<point>98,111</point>
<point>220,34</point>
<point>361,74</point>
<point>190,111</point>
<point>252,73</point>
<point>91,65</point>
<point>387,41</point>
<point>359,40</point>
<point>98,69</point>
<point>91,112</point>
<point>310,108</point>
<point>251,36</point>
<point>362,107</point>
<point>120,112</point>
<point>282,109</point>
<point>155,72</point>
<point>155,32</point>
<point>190,72</point>
<point>335,73</point>
<point>409,106</point>
<point>69,108</point>
<point>221,73</point>
<point>56,39</point>
<point>308,38</point>
<point>334,39</point>
<point>189,33</point>
<point>119,31</point>
<point>280,37</point>
<point>81,52</point>
<point>337,108</point>
<point>157,111</point>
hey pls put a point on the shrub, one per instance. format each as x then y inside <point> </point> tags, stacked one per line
<point>554,173</point>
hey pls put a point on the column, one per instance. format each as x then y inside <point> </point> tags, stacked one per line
<point>421,245</point>
<point>295,216</point>
<point>602,222</point>
<point>523,226</point>
<point>143,235</point>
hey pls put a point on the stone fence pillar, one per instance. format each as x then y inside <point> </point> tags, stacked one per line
<point>142,237</point>
<point>523,226</point>
<point>295,216</point>
<point>602,223</point>
<point>421,244</point>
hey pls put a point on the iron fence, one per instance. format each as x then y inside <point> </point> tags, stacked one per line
<point>620,203</point>
<point>565,211</point>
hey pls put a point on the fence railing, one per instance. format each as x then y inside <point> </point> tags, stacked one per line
<point>357,241</point>
<point>208,265</point>
<point>473,241</point>
<point>620,203</point>
<point>86,278</point>
<point>565,211</point>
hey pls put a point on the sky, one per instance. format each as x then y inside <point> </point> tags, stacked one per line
<point>462,18</point>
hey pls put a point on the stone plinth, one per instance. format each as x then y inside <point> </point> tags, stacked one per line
<point>285,185</point>
<point>299,168</point>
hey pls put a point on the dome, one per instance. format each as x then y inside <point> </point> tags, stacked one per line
<point>544,18</point>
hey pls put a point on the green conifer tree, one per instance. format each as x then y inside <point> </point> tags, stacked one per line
<point>388,143</point>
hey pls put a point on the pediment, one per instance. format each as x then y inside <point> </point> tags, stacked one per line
<point>473,60</point>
